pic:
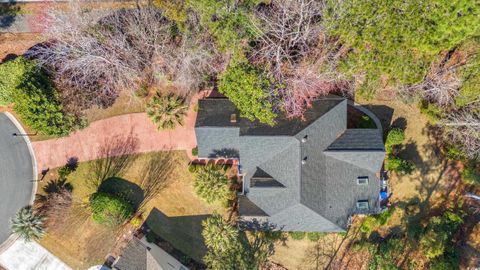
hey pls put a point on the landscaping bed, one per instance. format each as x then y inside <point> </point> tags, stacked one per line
<point>174,215</point>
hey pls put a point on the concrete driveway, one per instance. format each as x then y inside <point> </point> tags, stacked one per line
<point>16,173</point>
<point>23,255</point>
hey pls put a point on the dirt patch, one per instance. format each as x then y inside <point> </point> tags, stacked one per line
<point>13,45</point>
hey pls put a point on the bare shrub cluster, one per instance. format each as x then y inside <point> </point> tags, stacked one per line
<point>289,35</point>
<point>94,55</point>
<point>55,204</point>
<point>462,127</point>
<point>441,87</point>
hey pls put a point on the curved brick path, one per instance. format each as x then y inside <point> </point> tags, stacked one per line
<point>84,144</point>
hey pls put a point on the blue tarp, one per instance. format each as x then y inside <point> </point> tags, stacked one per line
<point>383,195</point>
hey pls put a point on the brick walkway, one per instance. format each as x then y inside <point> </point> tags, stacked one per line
<point>84,144</point>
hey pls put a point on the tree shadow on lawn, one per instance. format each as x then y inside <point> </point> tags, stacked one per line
<point>114,157</point>
<point>183,232</point>
<point>124,189</point>
<point>8,13</point>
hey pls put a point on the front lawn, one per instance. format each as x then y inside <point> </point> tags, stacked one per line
<point>175,214</point>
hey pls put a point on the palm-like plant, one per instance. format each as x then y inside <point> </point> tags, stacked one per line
<point>212,184</point>
<point>27,224</point>
<point>166,111</point>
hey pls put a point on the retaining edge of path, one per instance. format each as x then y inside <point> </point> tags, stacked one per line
<point>12,238</point>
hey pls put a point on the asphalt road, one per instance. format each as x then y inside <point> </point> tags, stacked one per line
<point>16,174</point>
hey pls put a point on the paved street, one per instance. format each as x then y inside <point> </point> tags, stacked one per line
<point>16,174</point>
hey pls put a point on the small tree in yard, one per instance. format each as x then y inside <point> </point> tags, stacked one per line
<point>166,111</point>
<point>247,87</point>
<point>212,184</point>
<point>109,209</point>
<point>28,225</point>
<point>222,242</point>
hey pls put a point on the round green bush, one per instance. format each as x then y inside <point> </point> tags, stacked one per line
<point>297,235</point>
<point>396,164</point>
<point>395,136</point>
<point>109,209</point>
<point>315,236</point>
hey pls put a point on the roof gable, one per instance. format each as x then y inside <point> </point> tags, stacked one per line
<point>371,160</point>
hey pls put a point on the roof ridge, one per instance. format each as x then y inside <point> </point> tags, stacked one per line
<point>338,104</point>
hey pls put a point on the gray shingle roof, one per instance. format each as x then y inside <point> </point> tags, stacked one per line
<point>318,194</point>
<point>358,139</point>
<point>216,112</point>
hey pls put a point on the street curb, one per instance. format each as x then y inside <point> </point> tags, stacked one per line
<point>13,237</point>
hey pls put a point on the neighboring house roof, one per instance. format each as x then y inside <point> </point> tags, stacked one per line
<point>141,255</point>
<point>298,174</point>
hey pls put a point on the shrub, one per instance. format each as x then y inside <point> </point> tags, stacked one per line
<point>193,168</point>
<point>396,164</point>
<point>212,184</point>
<point>247,88</point>
<point>373,221</point>
<point>28,225</point>
<point>137,221</point>
<point>227,21</point>
<point>395,136</point>
<point>440,230</point>
<point>315,236</point>
<point>66,170</point>
<point>431,111</point>
<point>454,153</point>
<point>470,174</point>
<point>109,209</point>
<point>195,151</point>
<point>166,111</point>
<point>12,73</point>
<point>222,242</point>
<point>297,235</point>
<point>36,101</point>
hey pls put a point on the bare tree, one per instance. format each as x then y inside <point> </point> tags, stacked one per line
<point>462,127</point>
<point>288,30</point>
<point>304,85</point>
<point>290,35</point>
<point>96,54</point>
<point>441,87</point>
<point>156,175</point>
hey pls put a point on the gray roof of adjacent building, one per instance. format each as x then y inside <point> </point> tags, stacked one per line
<point>299,174</point>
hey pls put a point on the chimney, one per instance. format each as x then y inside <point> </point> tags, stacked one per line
<point>233,118</point>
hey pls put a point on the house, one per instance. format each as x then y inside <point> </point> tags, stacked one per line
<point>302,175</point>
<point>141,255</point>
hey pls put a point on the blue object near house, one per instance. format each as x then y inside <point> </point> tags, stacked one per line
<point>383,195</point>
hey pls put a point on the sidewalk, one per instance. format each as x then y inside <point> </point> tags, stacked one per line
<point>23,255</point>
<point>84,144</point>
